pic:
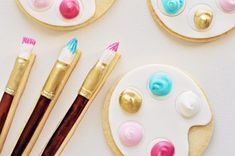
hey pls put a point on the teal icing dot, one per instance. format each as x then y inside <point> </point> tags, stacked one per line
<point>160,84</point>
<point>173,6</point>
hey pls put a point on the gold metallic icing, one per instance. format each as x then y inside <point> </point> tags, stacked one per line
<point>16,75</point>
<point>203,19</point>
<point>54,80</point>
<point>93,80</point>
<point>130,100</point>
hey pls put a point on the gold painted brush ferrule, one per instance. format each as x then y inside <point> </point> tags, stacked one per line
<point>16,75</point>
<point>54,80</point>
<point>93,80</point>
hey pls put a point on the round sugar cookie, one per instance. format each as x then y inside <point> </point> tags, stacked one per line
<point>157,109</point>
<point>64,14</point>
<point>196,21</point>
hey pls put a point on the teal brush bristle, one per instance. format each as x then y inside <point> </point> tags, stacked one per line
<point>72,45</point>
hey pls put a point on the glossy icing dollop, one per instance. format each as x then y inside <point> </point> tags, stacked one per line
<point>130,100</point>
<point>163,148</point>
<point>160,84</point>
<point>188,104</point>
<point>203,19</point>
<point>131,133</point>
<point>69,9</point>
<point>173,6</point>
<point>227,5</point>
<point>41,4</point>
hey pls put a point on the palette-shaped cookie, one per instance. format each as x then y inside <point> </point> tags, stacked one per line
<point>154,110</point>
<point>64,14</point>
<point>198,21</point>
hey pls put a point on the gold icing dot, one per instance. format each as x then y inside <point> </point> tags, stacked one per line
<point>130,100</point>
<point>203,19</point>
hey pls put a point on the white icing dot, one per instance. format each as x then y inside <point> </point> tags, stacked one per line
<point>188,104</point>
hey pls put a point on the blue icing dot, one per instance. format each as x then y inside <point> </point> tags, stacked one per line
<point>173,6</point>
<point>160,84</point>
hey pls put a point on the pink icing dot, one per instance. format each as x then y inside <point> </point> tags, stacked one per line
<point>163,148</point>
<point>227,5</point>
<point>69,9</point>
<point>131,133</point>
<point>41,4</point>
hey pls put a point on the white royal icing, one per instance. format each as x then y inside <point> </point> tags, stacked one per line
<point>188,104</point>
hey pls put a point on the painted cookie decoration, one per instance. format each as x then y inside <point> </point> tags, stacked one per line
<point>172,7</point>
<point>130,100</point>
<point>69,9</point>
<point>188,104</point>
<point>227,5</point>
<point>203,19</point>
<point>160,84</point>
<point>64,14</point>
<point>131,133</point>
<point>41,4</point>
<point>200,21</point>
<point>153,110</point>
<point>163,148</point>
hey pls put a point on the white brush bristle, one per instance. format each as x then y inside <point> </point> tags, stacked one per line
<point>109,53</point>
<point>68,53</point>
<point>107,56</point>
<point>27,47</point>
<point>66,56</point>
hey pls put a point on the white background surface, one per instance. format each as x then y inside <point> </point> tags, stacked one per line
<point>142,42</point>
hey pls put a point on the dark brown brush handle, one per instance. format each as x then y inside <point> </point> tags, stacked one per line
<point>5,105</point>
<point>31,126</point>
<point>65,126</point>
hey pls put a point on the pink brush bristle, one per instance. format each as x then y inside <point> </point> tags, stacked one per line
<point>27,40</point>
<point>114,46</point>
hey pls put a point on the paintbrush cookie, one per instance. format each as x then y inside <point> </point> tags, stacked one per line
<point>64,14</point>
<point>157,110</point>
<point>197,21</point>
